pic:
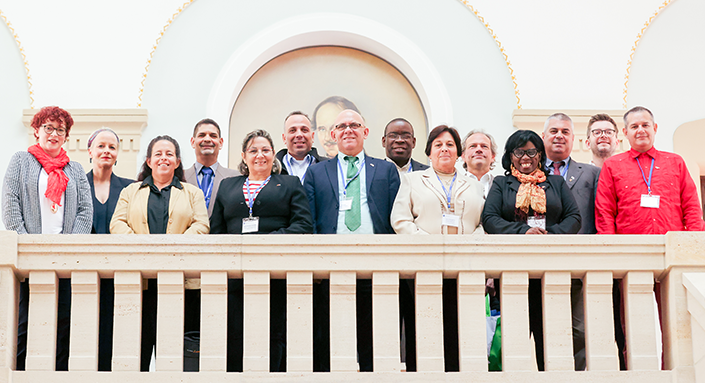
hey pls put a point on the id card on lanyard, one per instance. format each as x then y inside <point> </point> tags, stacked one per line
<point>449,219</point>
<point>251,224</point>
<point>346,203</point>
<point>649,200</point>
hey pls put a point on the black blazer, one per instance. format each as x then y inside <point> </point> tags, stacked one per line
<point>417,166</point>
<point>102,222</point>
<point>281,206</point>
<point>321,186</point>
<point>314,153</point>
<point>562,213</point>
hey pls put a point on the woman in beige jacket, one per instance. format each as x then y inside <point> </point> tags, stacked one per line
<point>439,200</point>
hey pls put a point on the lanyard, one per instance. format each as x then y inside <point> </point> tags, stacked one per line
<point>210,187</point>
<point>651,172</point>
<point>291,165</point>
<point>409,170</point>
<point>448,192</point>
<point>342,175</point>
<point>250,197</point>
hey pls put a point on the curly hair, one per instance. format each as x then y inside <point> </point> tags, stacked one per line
<point>52,113</point>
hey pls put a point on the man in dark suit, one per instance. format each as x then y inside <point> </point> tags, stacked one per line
<point>558,136</point>
<point>207,173</point>
<point>399,142</point>
<point>299,153</point>
<point>356,201</point>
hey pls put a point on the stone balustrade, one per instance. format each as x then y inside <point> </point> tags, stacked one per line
<point>300,259</point>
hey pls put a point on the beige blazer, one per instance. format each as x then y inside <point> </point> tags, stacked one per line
<point>421,202</point>
<point>187,211</point>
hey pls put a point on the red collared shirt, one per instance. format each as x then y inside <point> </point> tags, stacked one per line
<point>618,207</point>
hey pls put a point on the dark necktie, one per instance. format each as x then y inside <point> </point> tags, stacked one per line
<point>557,167</point>
<point>352,216</point>
<point>206,182</point>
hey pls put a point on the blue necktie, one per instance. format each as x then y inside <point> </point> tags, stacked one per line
<point>206,183</point>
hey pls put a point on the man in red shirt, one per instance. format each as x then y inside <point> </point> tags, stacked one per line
<point>644,190</point>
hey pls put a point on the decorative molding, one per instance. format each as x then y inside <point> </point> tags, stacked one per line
<point>636,43</point>
<point>24,59</point>
<point>501,49</point>
<point>156,44</point>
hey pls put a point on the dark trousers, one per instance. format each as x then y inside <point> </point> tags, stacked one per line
<point>63,325</point>
<point>407,321</point>
<point>235,325</point>
<point>149,323</point>
<point>536,319</point>
<point>451,346</point>
<point>105,324</point>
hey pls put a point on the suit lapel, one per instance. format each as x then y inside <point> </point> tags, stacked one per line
<point>332,171</point>
<point>574,173</point>
<point>369,174</point>
<point>431,181</point>
<point>114,195</point>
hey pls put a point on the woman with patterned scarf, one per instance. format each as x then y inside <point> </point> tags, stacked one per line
<point>46,193</point>
<point>529,201</point>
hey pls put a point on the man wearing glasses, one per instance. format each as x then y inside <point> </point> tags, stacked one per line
<point>352,193</point>
<point>399,142</point>
<point>601,138</point>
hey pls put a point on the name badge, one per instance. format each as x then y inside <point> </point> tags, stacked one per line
<point>651,201</point>
<point>450,220</point>
<point>537,221</point>
<point>250,225</point>
<point>346,204</point>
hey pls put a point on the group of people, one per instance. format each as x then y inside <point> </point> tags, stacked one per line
<point>298,191</point>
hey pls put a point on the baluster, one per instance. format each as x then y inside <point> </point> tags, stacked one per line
<point>256,321</point>
<point>557,321</point>
<point>471,321</point>
<point>299,321</point>
<point>429,321</point>
<point>170,321</point>
<point>343,331</point>
<point>517,348</point>
<point>600,348</point>
<point>9,292</point>
<point>640,321</point>
<point>214,321</point>
<point>41,328</point>
<point>385,321</point>
<point>127,324</point>
<point>85,306</point>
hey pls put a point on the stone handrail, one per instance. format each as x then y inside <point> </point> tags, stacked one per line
<point>638,260</point>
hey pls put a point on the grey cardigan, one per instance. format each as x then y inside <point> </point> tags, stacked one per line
<point>20,197</point>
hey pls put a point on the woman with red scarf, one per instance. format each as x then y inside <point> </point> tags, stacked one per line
<point>46,193</point>
<point>529,201</point>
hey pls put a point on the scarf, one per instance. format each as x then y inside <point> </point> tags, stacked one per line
<point>530,194</point>
<point>56,185</point>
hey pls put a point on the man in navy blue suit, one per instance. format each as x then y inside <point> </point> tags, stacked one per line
<point>351,193</point>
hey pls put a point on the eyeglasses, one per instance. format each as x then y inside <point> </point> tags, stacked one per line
<point>518,153</point>
<point>606,132</point>
<point>265,151</point>
<point>396,136</point>
<point>48,129</point>
<point>353,126</point>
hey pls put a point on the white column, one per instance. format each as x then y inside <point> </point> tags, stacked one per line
<point>557,321</point>
<point>127,325</point>
<point>600,347</point>
<point>429,321</point>
<point>472,329</point>
<point>640,321</point>
<point>256,321</point>
<point>9,292</point>
<point>170,321</point>
<point>385,321</point>
<point>299,321</point>
<point>517,352</point>
<point>41,328</point>
<point>214,321</point>
<point>343,330</point>
<point>85,305</point>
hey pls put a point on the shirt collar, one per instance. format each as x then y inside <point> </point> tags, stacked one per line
<point>485,176</point>
<point>149,181</point>
<point>549,163</point>
<point>404,168</point>
<point>197,167</point>
<point>651,152</point>
<point>360,156</point>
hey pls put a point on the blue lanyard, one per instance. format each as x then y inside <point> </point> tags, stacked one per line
<point>250,198</point>
<point>210,187</point>
<point>291,166</point>
<point>651,172</point>
<point>342,175</point>
<point>448,192</point>
<point>409,170</point>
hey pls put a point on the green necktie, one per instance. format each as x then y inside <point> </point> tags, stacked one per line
<point>352,216</point>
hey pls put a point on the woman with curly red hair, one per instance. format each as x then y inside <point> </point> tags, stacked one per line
<point>46,193</point>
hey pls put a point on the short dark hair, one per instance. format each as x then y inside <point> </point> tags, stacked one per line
<point>204,122</point>
<point>147,171</point>
<point>276,166</point>
<point>634,110</point>
<point>600,117</point>
<point>297,113</point>
<point>342,102</point>
<point>519,139</point>
<point>437,131</point>
<point>398,119</point>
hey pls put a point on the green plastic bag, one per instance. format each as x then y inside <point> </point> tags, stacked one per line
<point>496,349</point>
